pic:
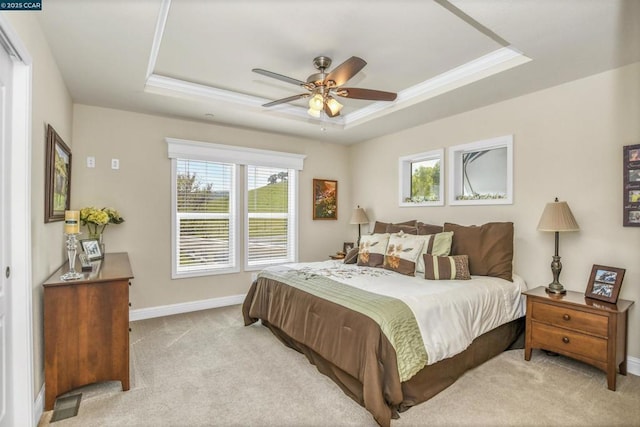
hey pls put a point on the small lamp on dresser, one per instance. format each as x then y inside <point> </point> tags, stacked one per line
<point>359,216</point>
<point>557,217</point>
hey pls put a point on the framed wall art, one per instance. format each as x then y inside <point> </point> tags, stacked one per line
<point>57,185</point>
<point>604,283</point>
<point>325,199</point>
<point>631,189</point>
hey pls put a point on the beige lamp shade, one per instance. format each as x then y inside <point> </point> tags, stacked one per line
<point>359,216</point>
<point>557,216</point>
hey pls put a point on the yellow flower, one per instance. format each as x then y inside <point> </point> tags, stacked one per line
<point>94,218</point>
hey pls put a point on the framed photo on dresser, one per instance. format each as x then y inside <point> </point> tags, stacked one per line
<point>604,283</point>
<point>631,189</point>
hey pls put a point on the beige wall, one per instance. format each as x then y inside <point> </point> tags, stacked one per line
<point>51,104</point>
<point>567,143</point>
<point>141,191</point>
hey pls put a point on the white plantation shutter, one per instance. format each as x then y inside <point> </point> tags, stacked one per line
<point>270,225</point>
<point>205,217</point>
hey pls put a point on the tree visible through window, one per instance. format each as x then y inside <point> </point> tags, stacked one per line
<point>425,180</point>
<point>421,179</point>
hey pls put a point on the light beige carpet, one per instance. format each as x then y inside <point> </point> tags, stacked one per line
<point>207,369</point>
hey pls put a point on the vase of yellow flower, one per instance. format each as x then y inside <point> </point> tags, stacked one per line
<point>96,220</point>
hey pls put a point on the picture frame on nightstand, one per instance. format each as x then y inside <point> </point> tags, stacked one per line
<point>605,283</point>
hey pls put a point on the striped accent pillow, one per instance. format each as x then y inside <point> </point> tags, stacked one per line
<point>454,267</point>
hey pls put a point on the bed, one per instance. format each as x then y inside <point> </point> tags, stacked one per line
<point>389,333</point>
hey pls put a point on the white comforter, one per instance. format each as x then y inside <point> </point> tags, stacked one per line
<point>450,313</point>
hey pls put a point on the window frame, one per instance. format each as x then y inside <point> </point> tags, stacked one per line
<point>456,168</point>
<point>292,229</point>
<point>241,157</point>
<point>405,174</point>
<point>234,219</point>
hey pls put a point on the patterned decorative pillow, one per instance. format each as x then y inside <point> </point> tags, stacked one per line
<point>372,249</point>
<point>434,244</point>
<point>402,252</point>
<point>454,267</point>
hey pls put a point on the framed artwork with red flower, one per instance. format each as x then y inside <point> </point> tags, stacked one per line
<point>325,199</point>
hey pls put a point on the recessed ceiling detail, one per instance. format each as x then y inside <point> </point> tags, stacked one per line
<point>185,58</point>
<point>496,61</point>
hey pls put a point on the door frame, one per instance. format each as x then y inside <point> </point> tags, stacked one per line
<point>19,212</point>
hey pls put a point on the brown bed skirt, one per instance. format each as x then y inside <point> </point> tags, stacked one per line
<point>432,379</point>
<point>351,349</point>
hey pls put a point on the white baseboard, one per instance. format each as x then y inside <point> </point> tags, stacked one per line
<point>38,406</point>
<point>185,307</point>
<point>633,365</point>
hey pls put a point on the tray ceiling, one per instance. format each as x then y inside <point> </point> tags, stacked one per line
<point>193,58</point>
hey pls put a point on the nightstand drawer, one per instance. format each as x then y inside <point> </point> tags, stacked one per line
<point>573,319</point>
<point>558,339</point>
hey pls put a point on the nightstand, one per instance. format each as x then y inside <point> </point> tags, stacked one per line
<point>592,331</point>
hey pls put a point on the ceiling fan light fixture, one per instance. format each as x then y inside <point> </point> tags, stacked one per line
<point>334,106</point>
<point>316,102</point>
<point>314,113</point>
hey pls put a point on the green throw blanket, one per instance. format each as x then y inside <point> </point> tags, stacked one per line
<point>395,318</point>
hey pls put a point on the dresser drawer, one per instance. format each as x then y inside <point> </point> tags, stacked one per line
<point>573,319</point>
<point>558,339</point>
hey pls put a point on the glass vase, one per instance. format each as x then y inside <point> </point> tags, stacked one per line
<point>98,237</point>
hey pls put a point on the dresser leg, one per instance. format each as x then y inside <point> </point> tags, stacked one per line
<point>527,353</point>
<point>611,379</point>
<point>623,367</point>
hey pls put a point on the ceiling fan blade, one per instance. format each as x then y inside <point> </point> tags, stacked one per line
<point>373,95</point>
<point>279,77</point>
<point>345,71</point>
<point>285,100</point>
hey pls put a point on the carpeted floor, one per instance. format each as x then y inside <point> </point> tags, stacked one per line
<point>207,369</point>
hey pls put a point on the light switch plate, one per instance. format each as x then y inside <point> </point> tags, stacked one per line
<point>115,164</point>
<point>91,162</point>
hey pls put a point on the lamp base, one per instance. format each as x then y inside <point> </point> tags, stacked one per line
<point>556,267</point>
<point>555,290</point>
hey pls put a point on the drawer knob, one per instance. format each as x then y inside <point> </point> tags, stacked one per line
<point>565,340</point>
<point>566,317</point>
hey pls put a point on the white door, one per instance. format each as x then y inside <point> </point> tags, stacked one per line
<point>16,337</point>
<point>6,67</point>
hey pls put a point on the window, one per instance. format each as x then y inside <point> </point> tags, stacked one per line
<point>206,195</point>
<point>271,216</point>
<point>205,219</point>
<point>481,173</point>
<point>421,179</point>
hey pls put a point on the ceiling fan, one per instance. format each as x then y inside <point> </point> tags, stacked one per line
<point>323,86</point>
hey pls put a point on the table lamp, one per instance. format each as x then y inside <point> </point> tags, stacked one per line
<point>557,217</point>
<point>359,216</point>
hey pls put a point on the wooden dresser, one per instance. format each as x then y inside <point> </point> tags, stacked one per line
<point>592,331</point>
<point>86,327</point>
